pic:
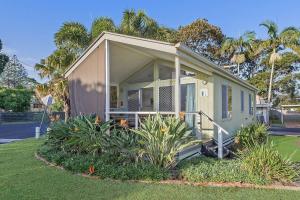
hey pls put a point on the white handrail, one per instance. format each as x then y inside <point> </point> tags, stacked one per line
<point>221,130</point>
<point>142,112</point>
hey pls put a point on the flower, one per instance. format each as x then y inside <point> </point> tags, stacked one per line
<point>124,123</point>
<point>181,115</point>
<point>163,129</point>
<point>97,120</point>
<point>91,169</point>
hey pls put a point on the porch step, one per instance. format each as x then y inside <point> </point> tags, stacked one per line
<point>211,149</point>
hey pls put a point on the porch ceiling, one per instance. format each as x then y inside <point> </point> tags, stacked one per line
<point>125,60</point>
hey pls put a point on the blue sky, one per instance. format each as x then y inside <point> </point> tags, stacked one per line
<point>27,27</point>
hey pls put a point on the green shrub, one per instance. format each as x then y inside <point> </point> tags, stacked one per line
<point>206,169</point>
<point>251,135</point>
<point>264,161</point>
<point>162,138</point>
<point>86,135</point>
<point>17,100</point>
<point>104,166</point>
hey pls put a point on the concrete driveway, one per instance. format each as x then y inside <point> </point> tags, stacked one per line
<point>17,131</point>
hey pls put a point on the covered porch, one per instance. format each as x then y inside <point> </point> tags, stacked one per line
<point>144,82</point>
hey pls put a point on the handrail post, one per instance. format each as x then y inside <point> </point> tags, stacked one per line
<point>136,120</point>
<point>220,143</point>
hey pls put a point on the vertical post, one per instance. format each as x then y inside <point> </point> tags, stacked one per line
<point>107,81</point>
<point>136,119</point>
<point>177,86</point>
<point>220,143</point>
<point>200,125</point>
<point>156,88</point>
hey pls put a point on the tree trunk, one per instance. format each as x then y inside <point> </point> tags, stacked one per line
<point>271,81</point>
<point>67,108</point>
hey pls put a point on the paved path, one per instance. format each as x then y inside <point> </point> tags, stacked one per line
<point>17,131</point>
<point>284,131</point>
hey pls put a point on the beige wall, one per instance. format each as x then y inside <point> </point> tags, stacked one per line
<point>238,118</point>
<point>87,85</point>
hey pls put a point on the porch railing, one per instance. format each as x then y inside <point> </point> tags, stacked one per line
<point>136,117</point>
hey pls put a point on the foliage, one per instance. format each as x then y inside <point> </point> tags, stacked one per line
<point>14,74</point>
<point>17,100</point>
<point>104,165</point>
<point>102,24</point>
<point>251,135</point>
<point>78,135</point>
<point>264,161</point>
<point>88,135</point>
<point>277,43</point>
<point>161,139</point>
<point>206,169</point>
<point>202,37</point>
<point>71,39</point>
<point>3,59</point>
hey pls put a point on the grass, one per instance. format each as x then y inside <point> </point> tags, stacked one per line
<point>288,146</point>
<point>24,177</point>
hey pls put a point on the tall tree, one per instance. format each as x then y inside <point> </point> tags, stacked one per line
<point>204,38</point>
<point>102,24</point>
<point>14,74</point>
<point>238,49</point>
<point>3,59</point>
<point>71,39</point>
<point>138,23</point>
<point>278,41</point>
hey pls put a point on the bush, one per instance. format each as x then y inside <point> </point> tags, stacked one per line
<point>206,169</point>
<point>17,100</point>
<point>161,139</point>
<point>87,135</point>
<point>264,161</point>
<point>251,135</point>
<point>103,165</point>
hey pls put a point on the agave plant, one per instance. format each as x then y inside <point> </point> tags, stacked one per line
<point>161,139</point>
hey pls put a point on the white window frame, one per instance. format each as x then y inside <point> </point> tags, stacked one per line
<point>228,113</point>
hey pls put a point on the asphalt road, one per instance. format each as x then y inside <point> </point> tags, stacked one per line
<point>18,131</point>
<point>284,131</point>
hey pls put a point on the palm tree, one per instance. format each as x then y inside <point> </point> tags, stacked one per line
<point>287,39</point>
<point>71,39</point>
<point>238,49</point>
<point>139,24</point>
<point>102,24</point>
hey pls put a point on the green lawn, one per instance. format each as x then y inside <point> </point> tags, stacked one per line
<point>288,146</point>
<point>24,177</point>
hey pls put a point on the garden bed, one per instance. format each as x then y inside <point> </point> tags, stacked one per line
<point>85,145</point>
<point>294,186</point>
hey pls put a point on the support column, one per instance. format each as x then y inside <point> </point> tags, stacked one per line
<point>107,81</point>
<point>177,86</point>
<point>156,88</point>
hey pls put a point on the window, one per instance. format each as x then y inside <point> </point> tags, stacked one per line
<point>226,101</point>
<point>242,101</point>
<point>250,104</point>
